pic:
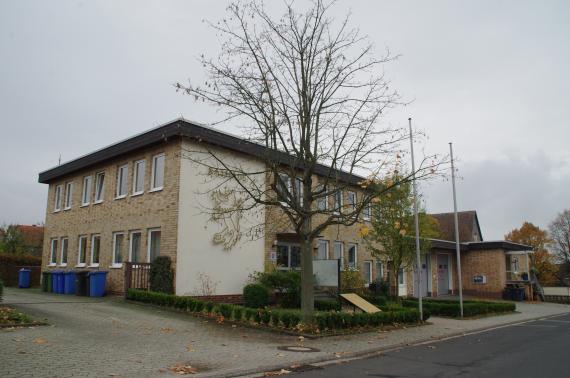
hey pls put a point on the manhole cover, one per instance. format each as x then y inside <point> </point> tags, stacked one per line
<point>298,348</point>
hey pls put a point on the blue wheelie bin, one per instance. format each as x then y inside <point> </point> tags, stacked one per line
<point>69,282</point>
<point>97,283</point>
<point>58,281</point>
<point>24,278</point>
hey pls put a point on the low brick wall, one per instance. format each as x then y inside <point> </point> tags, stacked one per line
<point>229,298</point>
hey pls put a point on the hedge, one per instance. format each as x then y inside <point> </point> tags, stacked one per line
<point>1,290</point>
<point>278,318</point>
<point>20,260</point>
<point>255,296</point>
<point>451,308</point>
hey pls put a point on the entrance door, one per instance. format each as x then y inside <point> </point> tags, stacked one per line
<point>424,274</point>
<point>442,274</point>
<point>402,288</point>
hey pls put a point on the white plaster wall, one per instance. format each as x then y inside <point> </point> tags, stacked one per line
<point>197,253</point>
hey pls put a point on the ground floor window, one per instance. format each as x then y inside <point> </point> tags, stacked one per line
<point>379,271</point>
<point>367,272</point>
<point>323,250</point>
<point>95,249</point>
<point>153,244</point>
<point>53,252</point>
<point>401,276</point>
<point>118,239</point>
<point>338,253</point>
<point>64,245</point>
<point>82,250</point>
<point>135,249</point>
<point>288,256</point>
<point>352,256</point>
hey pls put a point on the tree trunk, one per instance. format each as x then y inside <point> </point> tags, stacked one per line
<point>307,284</point>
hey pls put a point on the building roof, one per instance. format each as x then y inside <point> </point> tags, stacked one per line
<point>481,245</point>
<point>187,129</point>
<point>466,221</point>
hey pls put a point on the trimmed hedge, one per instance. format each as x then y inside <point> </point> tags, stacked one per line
<point>327,305</point>
<point>255,296</point>
<point>1,290</point>
<point>279,318</point>
<point>161,275</point>
<point>451,308</point>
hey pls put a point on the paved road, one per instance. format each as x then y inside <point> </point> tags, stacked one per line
<point>534,349</point>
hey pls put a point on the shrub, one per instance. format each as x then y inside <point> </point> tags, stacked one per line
<point>161,275</point>
<point>226,310</point>
<point>376,300</point>
<point>451,308</point>
<point>275,318</point>
<point>238,312</point>
<point>287,284</point>
<point>199,306</point>
<point>351,280</point>
<point>255,296</point>
<point>250,314</point>
<point>209,306</point>
<point>380,288</point>
<point>327,305</point>
<point>1,290</point>
<point>19,260</point>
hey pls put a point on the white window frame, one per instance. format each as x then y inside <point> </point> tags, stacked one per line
<point>139,232</point>
<point>149,241</point>
<point>355,265</point>
<point>113,263</point>
<point>353,204</point>
<point>322,200</point>
<point>61,263</point>
<point>326,244</point>
<point>99,195</point>
<point>289,246</point>
<point>379,272</point>
<point>337,242</point>
<point>92,264</point>
<point>68,202</point>
<point>57,199</point>
<point>53,252</point>
<point>136,176</point>
<point>122,180</point>
<point>81,240</point>
<point>284,177</point>
<point>367,271</point>
<point>367,212</point>
<point>154,188</point>
<point>340,193</point>
<point>86,192</point>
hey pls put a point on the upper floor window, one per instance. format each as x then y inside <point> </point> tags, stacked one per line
<point>283,186</point>
<point>351,197</point>
<point>322,202</point>
<point>57,205</point>
<point>68,195</point>
<point>99,187</point>
<point>122,176</point>
<point>138,177</point>
<point>157,176</point>
<point>367,211</point>
<point>86,195</point>
<point>337,201</point>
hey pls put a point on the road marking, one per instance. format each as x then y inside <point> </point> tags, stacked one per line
<point>536,325</point>
<point>557,321</point>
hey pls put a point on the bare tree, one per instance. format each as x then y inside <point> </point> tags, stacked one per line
<point>560,235</point>
<point>311,92</point>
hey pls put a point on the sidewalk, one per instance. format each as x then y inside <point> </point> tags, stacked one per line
<point>107,337</point>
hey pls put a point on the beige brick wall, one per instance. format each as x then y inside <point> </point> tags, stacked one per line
<point>488,262</point>
<point>157,209</point>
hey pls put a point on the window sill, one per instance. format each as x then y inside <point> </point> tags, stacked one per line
<point>81,265</point>
<point>63,264</point>
<point>84,204</point>
<point>94,266</point>
<point>97,202</point>
<point>137,194</point>
<point>121,197</point>
<point>66,208</point>
<point>116,266</point>
<point>156,189</point>
<point>57,211</point>
<point>52,264</point>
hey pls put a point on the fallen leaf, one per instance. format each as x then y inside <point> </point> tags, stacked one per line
<point>182,369</point>
<point>280,355</point>
<point>276,373</point>
<point>166,330</point>
<point>39,341</point>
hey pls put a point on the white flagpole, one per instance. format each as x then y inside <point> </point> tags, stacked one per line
<point>457,247</point>
<point>417,225</point>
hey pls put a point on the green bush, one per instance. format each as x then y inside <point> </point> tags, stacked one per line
<point>275,318</point>
<point>161,275</point>
<point>380,287</point>
<point>226,310</point>
<point>255,296</point>
<point>327,305</point>
<point>451,308</point>
<point>199,306</point>
<point>286,284</point>
<point>1,290</point>
<point>209,307</point>
<point>250,314</point>
<point>238,313</point>
<point>377,300</point>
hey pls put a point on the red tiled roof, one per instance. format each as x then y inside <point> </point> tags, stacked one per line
<point>468,226</point>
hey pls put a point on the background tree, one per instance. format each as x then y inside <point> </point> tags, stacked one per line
<point>391,236</point>
<point>541,259</point>
<point>312,92</point>
<point>11,240</point>
<point>560,235</point>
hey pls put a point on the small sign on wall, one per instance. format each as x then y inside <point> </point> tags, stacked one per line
<point>273,256</point>
<point>480,279</point>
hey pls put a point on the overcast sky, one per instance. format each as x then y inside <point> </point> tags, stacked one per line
<point>489,76</point>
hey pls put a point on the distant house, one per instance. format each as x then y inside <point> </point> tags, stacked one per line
<point>487,267</point>
<point>32,237</point>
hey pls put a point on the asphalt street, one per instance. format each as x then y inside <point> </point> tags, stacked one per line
<point>538,348</point>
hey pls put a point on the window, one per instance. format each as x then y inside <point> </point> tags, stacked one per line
<point>338,253</point>
<point>299,190</point>
<point>379,271</point>
<point>68,196</point>
<point>283,186</point>
<point>64,246</point>
<point>118,239</point>
<point>122,176</point>
<point>99,187</point>
<point>135,247</point>
<point>367,272</point>
<point>401,276</point>
<point>81,250</point>
<point>352,252</point>
<point>53,252</point>
<point>323,250</point>
<point>86,195</point>
<point>57,206</point>
<point>138,177</point>
<point>322,202</point>
<point>367,211</point>
<point>157,172</point>
<point>153,244</point>
<point>95,249</point>
<point>288,256</point>
<point>337,201</point>
<point>351,197</point>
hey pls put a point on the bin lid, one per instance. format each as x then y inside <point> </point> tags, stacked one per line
<point>97,272</point>
<point>25,270</point>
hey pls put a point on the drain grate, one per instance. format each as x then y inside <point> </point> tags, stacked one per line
<point>298,348</point>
